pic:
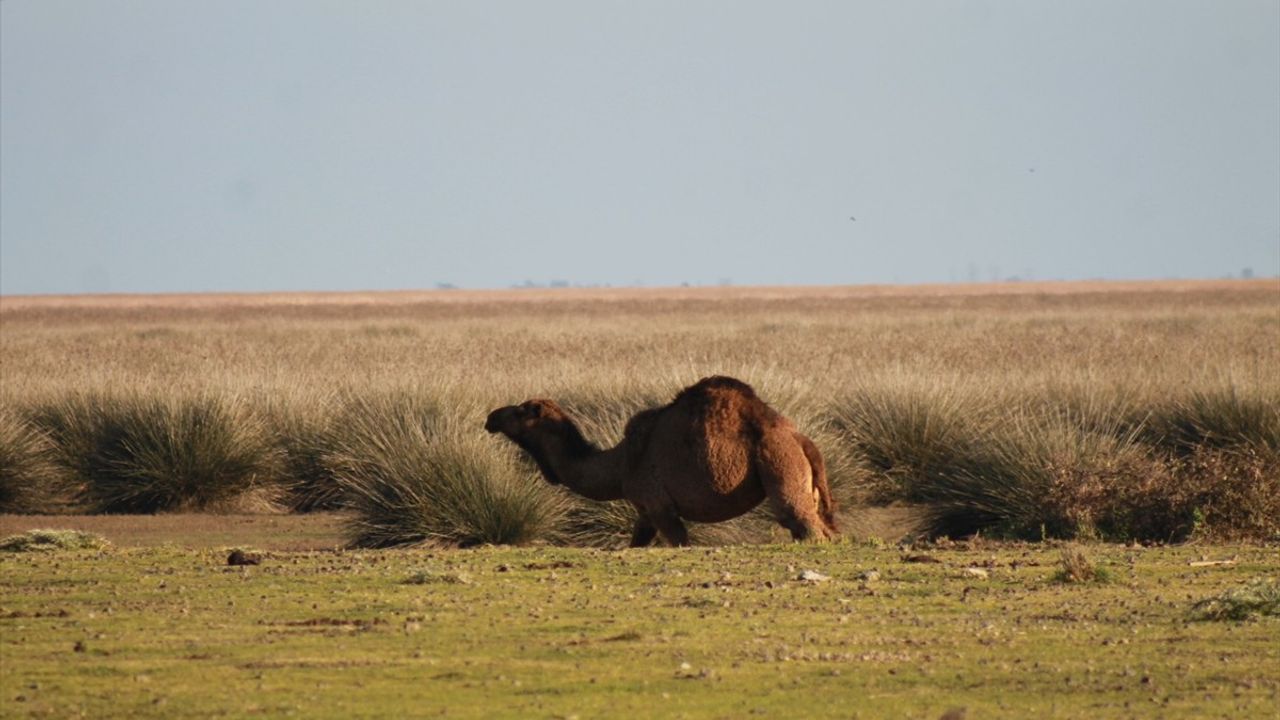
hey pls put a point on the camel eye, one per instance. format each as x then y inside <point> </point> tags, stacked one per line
<point>532,411</point>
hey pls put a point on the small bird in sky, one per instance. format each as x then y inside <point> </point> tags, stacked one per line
<point>853,218</point>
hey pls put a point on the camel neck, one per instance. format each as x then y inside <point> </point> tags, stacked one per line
<point>566,458</point>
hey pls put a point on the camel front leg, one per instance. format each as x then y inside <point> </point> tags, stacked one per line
<point>672,528</point>
<point>644,532</point>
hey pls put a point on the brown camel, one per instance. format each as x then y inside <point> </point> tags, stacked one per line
<point>711,455</point>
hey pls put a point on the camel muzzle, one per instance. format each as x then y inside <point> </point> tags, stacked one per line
<point>492,423</point>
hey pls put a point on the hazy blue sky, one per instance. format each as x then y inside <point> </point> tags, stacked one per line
<point>284,145</point>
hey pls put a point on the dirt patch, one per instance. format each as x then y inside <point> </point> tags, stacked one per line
<point>314,531</point>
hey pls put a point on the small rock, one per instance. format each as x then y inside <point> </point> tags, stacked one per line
<point>813,576</point>
<point>869,575</point>
<point>976,572</point>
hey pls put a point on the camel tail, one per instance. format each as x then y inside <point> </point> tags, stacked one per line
<point>826,503</point>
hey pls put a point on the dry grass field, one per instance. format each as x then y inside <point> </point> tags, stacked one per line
<point>1021,408</point>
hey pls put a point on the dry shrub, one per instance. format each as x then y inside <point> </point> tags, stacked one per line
<point>1076,567</point>
<point>1228,495</point>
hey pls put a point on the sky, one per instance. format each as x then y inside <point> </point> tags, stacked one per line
<point>178,146</point>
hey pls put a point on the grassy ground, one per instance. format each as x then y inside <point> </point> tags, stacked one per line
<point>705,632</point>
<point>1101,405</point>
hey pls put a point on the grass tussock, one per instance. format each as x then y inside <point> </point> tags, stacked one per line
<point>29,477</point>
<point>1257,599</point>
<point>912,438</point>
<point>153,453</point>
<point>1069,467</point>
<point>411,476</point>
<point>50,540</point>
<point>305,431</point>
<point>1222,418</point>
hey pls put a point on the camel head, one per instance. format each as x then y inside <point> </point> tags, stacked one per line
<point>544,430</point>
<point>529,418</point>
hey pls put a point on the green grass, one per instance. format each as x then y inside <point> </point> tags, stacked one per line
<point>695,633</point>
<point>52,540</point>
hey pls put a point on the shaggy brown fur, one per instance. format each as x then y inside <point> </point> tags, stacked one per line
<point>712,454</point>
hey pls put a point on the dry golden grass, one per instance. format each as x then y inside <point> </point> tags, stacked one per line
<point>498,345</point>
<point>1112,358</point>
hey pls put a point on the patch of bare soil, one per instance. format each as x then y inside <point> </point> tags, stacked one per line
<point>890,524</point>
<point>314,531</point>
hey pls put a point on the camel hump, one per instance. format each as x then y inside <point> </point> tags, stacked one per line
<point>714,385</point>
<point>719,391</point>
<point>721,396</point>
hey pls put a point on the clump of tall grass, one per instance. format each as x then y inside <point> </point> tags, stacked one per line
<point>411,475</point>
<point>1089,463</point>
<point>1219,450</point>
<point>29,479</point>
<point>157,453</point>
<point>304,430</point>
<point>1224,418</point>
<point>911,439</point>
<point>1034,478</point>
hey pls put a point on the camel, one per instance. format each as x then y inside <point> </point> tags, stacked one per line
<point>712,454</point>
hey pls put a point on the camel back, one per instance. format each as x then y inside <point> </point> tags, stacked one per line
<point>700,396</point>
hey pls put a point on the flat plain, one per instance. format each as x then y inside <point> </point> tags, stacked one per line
<point>157,625</point>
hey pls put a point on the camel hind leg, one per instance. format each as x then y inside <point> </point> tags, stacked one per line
<point>787,476</point>
<point>822,490</point>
